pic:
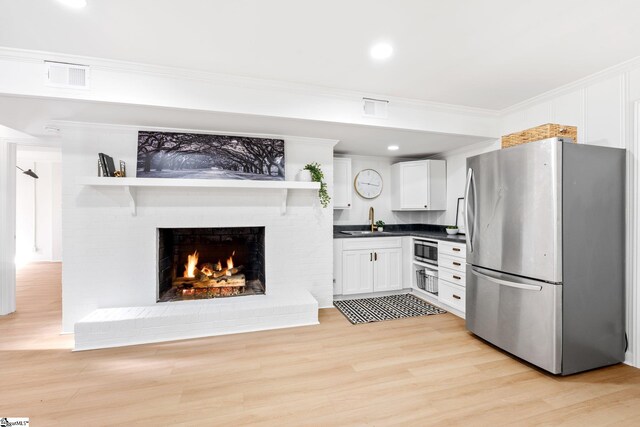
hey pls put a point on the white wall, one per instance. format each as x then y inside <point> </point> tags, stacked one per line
<point>111,256</point>
<point>38,208</point>
<point>359,212</point>
<point>456,178</point>
<point>7,227</point>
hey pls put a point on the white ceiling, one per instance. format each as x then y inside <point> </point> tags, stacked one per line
<point>490,54</point>
<point>31,115</point>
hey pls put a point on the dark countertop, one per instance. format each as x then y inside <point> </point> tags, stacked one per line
<point>429,231</point>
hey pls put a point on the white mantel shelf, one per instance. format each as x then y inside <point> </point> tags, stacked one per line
<point>131,184</point>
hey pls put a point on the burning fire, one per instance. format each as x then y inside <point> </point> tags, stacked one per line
<point>207,269</point>
<point>230,261</point>
<point>230,264</point>
<point>191,265</point>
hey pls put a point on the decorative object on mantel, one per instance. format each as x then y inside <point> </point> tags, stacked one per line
<point>460,216</point>
<point>451,229</point>
<point>318,176</point>
<point>380,225</point>
<point>205,156</point>
<point>367,310</point>
<point>106,164</point>
<point>304,176</point>
<point>537,133</point>
<point>107,168</point>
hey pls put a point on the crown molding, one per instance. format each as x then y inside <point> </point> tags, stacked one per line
<point>34,56</point>
<point>21,140</point>
<point>63,124</point>
<point>582,83</point>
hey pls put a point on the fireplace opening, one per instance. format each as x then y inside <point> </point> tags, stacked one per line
<point>202,263</point>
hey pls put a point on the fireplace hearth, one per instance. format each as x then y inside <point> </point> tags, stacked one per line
<point>202,263</point>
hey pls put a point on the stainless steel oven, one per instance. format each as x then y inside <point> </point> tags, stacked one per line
<point>425,251</point>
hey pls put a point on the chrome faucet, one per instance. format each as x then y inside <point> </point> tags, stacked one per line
<point>371,218</point>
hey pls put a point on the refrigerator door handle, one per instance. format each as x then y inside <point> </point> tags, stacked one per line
<point>475,205</point>
<point>466,210</point>
<point>506,282</point>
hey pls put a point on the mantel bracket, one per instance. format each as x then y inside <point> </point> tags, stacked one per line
<point>131,195</point>
<point>283,206</point>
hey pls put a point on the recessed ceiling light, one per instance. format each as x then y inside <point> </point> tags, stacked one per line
<point>74,4</point>
<point>393,148</point>
<point>381,51</point>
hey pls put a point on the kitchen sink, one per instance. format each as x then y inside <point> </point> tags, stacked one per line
<point>361,233</point>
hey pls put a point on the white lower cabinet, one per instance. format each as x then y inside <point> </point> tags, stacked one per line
<point>451,275</point>
<point>376,264</point>
<point>387,269</point>
<point>357,272</point>
<point>368,265</point>
<point>452,295</point>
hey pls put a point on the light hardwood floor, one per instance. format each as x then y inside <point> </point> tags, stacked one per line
<point>420,371</point>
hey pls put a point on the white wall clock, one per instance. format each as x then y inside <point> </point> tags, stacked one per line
<point>368,183</point>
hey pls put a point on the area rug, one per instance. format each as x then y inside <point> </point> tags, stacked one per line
<point>367,310</point>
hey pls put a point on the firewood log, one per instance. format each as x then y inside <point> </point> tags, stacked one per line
<point>207,268</point>
<point>200,276</point>
<point>182,280</point>
<point>219,273</point>
<point>235,270</point>
<point>237,280</point>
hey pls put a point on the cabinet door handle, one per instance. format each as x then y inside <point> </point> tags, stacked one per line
<point>370,257</point>
<point>456,249</point>
<point>457,264</point>
<point>456,296</point>
<point>425,206</point>
<point>375,256</point>
<point>457,277</point>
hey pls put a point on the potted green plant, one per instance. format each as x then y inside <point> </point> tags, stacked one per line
<point>318,176</point>
<point>380,225</point>
<point>452,229</point>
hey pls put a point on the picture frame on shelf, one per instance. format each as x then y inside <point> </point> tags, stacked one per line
<point>460,216</point>
<point>180,155</point>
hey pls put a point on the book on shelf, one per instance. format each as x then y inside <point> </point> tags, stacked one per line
<point>108,167</point>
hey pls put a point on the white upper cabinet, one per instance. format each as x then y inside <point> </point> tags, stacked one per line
<point>419,186</point>
<point>342,187</point>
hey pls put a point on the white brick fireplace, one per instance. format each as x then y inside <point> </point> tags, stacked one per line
<point>110,255</point>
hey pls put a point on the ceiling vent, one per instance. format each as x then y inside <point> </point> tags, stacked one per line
<point>375,108</point>
<point>63,75</point>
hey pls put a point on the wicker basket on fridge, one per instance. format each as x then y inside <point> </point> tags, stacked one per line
<point>537,133</point>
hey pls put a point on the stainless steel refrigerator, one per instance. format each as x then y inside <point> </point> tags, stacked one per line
<point>546,253</point>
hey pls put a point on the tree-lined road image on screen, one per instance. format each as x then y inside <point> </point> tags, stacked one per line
<point>203,156</point>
